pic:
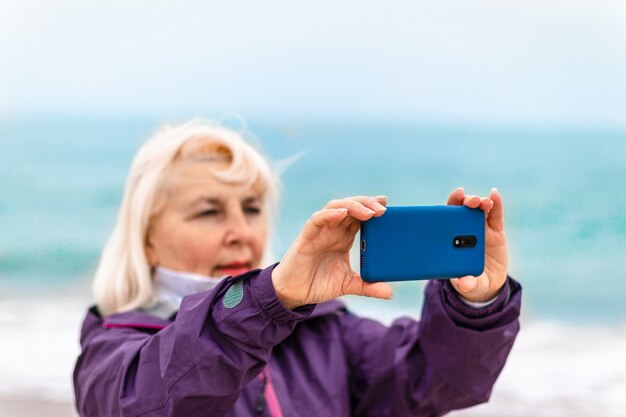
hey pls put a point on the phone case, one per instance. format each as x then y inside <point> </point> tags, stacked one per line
<point>423,242</point>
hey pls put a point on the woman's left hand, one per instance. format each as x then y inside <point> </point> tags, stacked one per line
<point>487,285</point>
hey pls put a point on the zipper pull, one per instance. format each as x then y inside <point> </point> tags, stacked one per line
<point>260,404</point>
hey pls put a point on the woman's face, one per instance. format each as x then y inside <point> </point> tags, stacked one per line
<point>207,227</point>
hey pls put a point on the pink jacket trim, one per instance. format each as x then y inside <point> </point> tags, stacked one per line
<point>133,325</point>
<point>273,405</point>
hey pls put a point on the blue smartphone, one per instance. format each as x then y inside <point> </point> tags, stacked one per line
<point>423,242</point>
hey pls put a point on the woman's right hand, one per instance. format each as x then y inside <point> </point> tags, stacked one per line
<point>316,268</point>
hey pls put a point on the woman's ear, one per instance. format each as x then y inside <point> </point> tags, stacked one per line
<point>151,252</point>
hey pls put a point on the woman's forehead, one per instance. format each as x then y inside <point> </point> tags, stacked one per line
<point>189,181</point>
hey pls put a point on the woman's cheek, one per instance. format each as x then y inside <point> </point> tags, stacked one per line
<point>259,241</point>
<point>198,252</point>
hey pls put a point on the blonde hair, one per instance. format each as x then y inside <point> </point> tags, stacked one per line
<point>123,279</point>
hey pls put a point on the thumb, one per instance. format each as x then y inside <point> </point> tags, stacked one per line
<point>464,284</point>
<point>369,289</point>
<point>378,290</point>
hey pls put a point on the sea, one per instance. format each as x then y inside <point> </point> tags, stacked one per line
<point>564,192</point>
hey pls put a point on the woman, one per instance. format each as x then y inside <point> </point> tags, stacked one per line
<point>186,324</point>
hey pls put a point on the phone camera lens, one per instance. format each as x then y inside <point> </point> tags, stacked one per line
<point>464,241</point>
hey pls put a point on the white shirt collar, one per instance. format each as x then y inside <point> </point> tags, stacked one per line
<point>171,286</point>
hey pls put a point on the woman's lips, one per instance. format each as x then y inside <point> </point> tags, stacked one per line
<point>235,268</point>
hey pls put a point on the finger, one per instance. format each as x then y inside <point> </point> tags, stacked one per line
<point>486,204</point>
<point>376,204</point>
<point>382,199</point>
<point>456,197</point>
<point>328,217</point>
<point>353,227</point>
<point>331,220</point>
<point>495,219</point>
<point>361,208</point>
<point>471,201</point>
<point>355,209</point>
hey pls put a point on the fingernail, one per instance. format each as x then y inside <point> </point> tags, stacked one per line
<point>494,189</point>
<point>380,197</point>
<point>370,211</point>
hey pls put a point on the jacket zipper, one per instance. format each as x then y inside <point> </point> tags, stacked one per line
<point>268,395</point>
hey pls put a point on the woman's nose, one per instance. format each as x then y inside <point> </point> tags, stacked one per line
<point>238,230</point>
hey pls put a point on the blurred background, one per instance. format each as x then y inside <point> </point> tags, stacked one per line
<point>407,99</point>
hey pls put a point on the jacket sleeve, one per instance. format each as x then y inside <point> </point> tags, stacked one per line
<point>218,342</point>
<point>448,360</point>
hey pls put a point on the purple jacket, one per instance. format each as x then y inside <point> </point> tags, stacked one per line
<point>258,358</point>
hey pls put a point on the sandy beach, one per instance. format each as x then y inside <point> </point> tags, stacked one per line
<point>23,407</point>
<point>552,370</point>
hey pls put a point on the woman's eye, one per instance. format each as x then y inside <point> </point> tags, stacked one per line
<point>252,210</point>
<point>208,213</point>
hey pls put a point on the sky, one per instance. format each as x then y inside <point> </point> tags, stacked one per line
<point>543,62</point>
